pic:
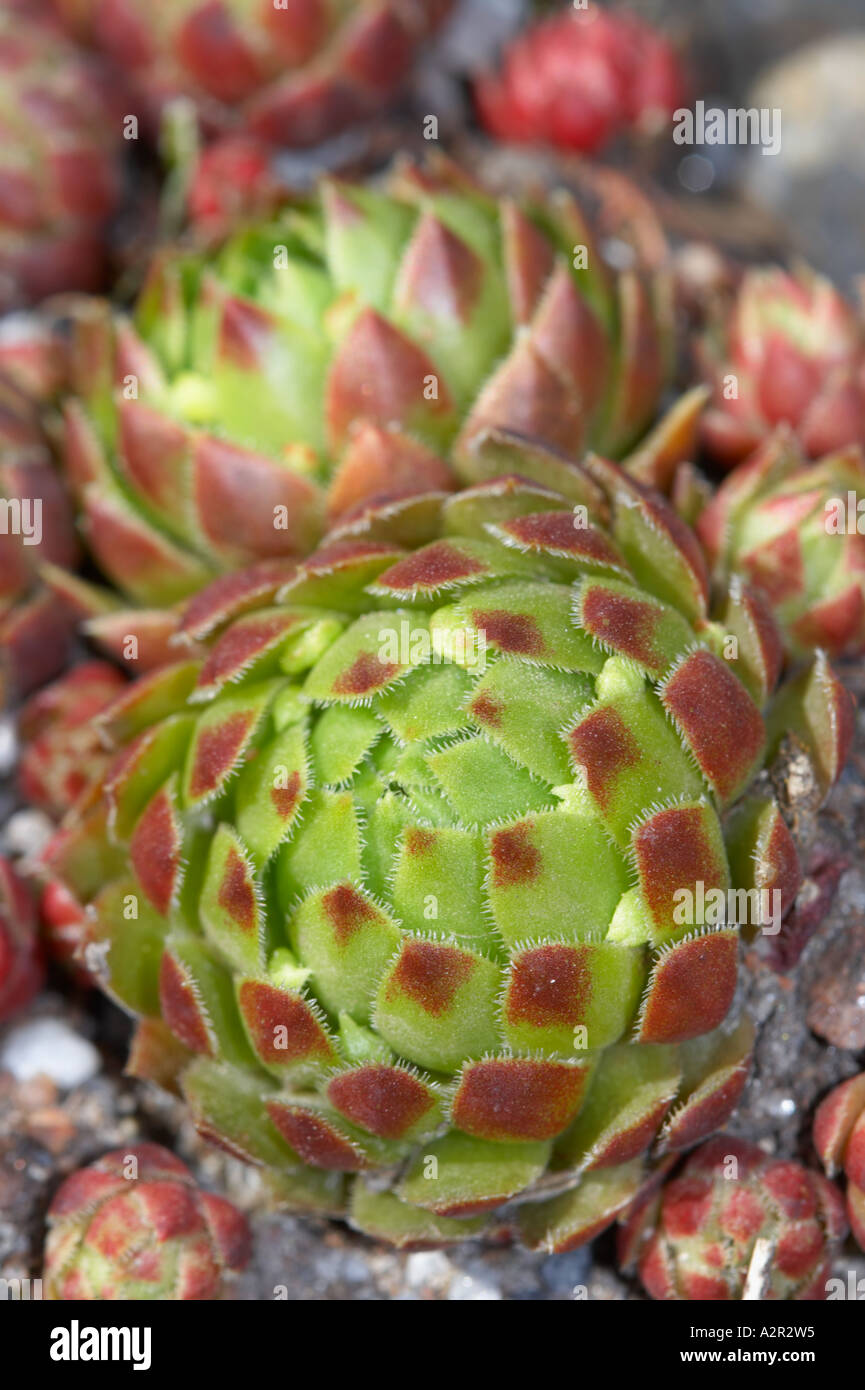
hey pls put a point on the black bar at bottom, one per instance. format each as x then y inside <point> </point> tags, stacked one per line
<point>258,1341</point>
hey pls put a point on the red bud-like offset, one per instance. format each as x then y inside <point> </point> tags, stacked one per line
<point>134,1226</point>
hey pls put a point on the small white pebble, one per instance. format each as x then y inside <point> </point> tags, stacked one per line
<point>427,1267</point>
<point>476,31</point>
<point>618,253</point>
<point>696,173</point>
<point>354,1270</point>
<point>21,327</point>
<point>465,1289</point>
<point>8,746</point>
<point>49,1047</point>
<point>27,833</point>
<point>787,1106</point>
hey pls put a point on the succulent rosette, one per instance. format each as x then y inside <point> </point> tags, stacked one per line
<point>789,351</point>
<point>294,72</point>
<point>59,164</point>
<point>20,956</point>
<point>695,1239</point>
<point>792,529</point>
<point>393,854</point>
<point>134,1226</point>
<point>580,78</point>
<point>339,365</point>
<point>839,1138</point>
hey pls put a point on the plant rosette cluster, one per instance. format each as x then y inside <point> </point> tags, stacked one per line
<point>789,351</point>
<point>796,531</point>
<point>696,1237</point>
<point>410,921</point>
<point>839,1138</point>
<point>580,78</point>
<point>293,72</point>
<point>134,1226</point>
